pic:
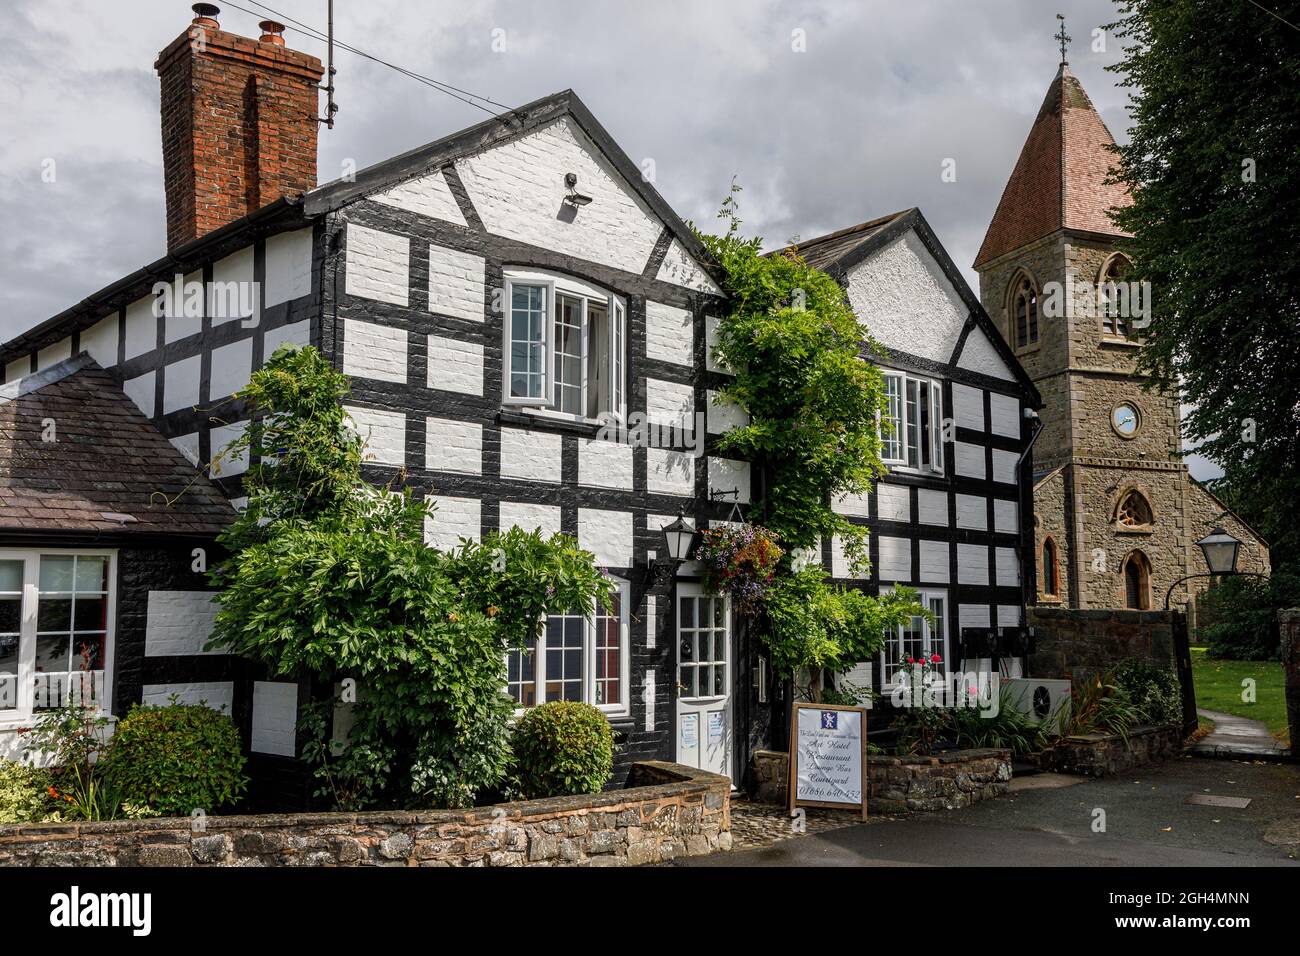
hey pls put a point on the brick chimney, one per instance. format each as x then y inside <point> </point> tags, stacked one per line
<point>238,123</point>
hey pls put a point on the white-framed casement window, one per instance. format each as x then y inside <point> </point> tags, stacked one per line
<point>917,638</point>
<point>581,656</point>
<point>565,346</point>
<point>57,609</point>
<point>914,408</point>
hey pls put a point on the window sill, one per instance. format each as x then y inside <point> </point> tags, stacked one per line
<point>1123,343</point>
<point>586,427</point>
<point>1139,529</point>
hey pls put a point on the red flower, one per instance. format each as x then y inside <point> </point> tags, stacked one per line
<point>52,792</point>
<point>910,661</point>
<point>935,659</point>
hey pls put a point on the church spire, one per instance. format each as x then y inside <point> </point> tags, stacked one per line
<point>1060,179</point>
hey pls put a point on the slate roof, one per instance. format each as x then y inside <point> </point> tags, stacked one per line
<point>108,461</point>
<point>826,251</point>
<point>1059,181</point>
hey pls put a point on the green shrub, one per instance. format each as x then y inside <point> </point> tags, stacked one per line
<point>1008,729</point>
<point>176,759</point>
<point>1101,706</point>
<point>1237,619</point>
<point>1154,691</point>
<point>563,747</point>
<point>23,796</point>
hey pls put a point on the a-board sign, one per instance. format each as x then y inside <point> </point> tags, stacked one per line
<point>828,756</point>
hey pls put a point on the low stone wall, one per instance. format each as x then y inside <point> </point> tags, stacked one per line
<point>901,784</point>
<point>1073,644</point>
<point>1100,755</point>
<point>668,810</point>
<point>943,782</point>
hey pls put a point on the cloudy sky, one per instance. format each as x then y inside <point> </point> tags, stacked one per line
<point>828,112</point>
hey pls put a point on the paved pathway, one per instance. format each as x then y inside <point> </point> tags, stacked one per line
<point>1236,737</point>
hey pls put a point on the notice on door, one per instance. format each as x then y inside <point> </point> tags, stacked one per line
<point>827,756</point>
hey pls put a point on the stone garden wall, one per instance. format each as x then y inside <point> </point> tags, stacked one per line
<point>1100,755</point>
<point>1074,644</point>
<point>667,811</point>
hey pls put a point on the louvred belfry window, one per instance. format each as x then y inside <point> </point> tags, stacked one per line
<point>1024,312</point>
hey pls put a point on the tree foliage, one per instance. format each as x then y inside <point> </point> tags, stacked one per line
<point>330,577</point>
<point>1212,165</point>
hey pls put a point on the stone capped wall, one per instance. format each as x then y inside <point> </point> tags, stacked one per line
<point>943,782</point>
<point>1073,644</point>
<point>668,811</point>
<point>1100,755</point>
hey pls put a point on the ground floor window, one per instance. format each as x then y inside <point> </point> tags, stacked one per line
<point>56,629</point>
<point>580,655</point>
<point>918,638</point>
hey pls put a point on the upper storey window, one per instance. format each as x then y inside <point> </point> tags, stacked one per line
<point>913,436</point>
<point>565,346</point>
<point>1110,297</point>
<point>1024,311</point>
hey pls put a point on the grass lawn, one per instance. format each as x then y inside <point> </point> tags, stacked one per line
<point>1218,687</point>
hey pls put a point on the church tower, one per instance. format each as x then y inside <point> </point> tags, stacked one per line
<point>1117,515</point>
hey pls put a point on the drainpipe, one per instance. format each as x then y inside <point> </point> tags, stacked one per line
<point>1029,415</point>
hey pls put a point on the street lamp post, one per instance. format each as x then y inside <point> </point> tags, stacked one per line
<point>1220,550</point>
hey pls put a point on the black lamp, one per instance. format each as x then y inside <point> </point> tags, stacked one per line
<point>1220,550</point>
<point>679,535</point>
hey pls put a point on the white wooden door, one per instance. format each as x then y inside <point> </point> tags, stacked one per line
<point>704,680</point>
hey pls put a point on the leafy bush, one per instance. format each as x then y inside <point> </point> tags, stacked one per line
<point>176,759</point>
<point>1154,691</point>
<point>563,747</point>
<point>1008,729</point>
<point>23,793</point>
<point>1239,616</point>
<point>1101,706</point>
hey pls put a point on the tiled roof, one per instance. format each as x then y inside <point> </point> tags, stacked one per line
<point>824,251</point>
<point>1059,181</point>
<point>107,461</point>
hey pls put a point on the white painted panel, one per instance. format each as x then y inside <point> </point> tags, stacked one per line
<point>187,445</point>
<point>840,565</point>
<point>607,535</point>
<point>935,562</point>
<point>384,433</point>
<point>456,283</point>
<point>968,406</point>
<point>141,327</point>
<point>670,403</point>
<point>858,506</point>
<point>288,266</point>
<point>453,446</point>
<point>275,718</point>
<point>669,334</point>
<point>453,519</point>
<point>518,189</point>
<point>178,623</point>
<point>1008,615</point>
<point>296,333</point>
<point>18,369</point>
<point>374,351</point>
<point>604,464</point>
<point>221,436</point>
<point>530,517</point>
<point>722,417</point>
<point>895,559</point>
<point>455,365</point>
<point>651,623</point>
<point>181,384</point>
<point>648,698</point>
<point>178,322</point>
<point>1004,414</point>
<point>969,460</point>
<point>973,615</point>
<point>1008,568</point>
<point>533,456</point>
<point>972,564</point>
<point>979,355</point>
<point>711,325</point>
<point>680,268</point>
<point>231,296</point>
<point>727,476</point>
<point>1004,466</point>
<point>972,512</point>
<point>54,354</point>
<point>1004,516</point>
<point>141,391</point>
<point>100,341</point>
<point>893,502</point>
<point>427,195</point>
<point>219,695</point>
<point>232,366</point>
<point>932,507</point>
<point>377,265</point>
<point>670,472</point>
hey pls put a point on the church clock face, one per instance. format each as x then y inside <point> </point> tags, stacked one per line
<point>1124,419</point>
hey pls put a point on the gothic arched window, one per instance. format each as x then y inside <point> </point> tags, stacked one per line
<point>1024,311</point>
<point>1051,569</point>
<point>1137,581</point>
<point>1113,296</point>
<point>1134,510</point>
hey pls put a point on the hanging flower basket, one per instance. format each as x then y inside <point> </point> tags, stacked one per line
<point>739,561</point>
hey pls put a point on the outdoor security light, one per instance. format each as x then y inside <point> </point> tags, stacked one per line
<point>679,535</point>
<point>1220,550</point>
<point>574,198</point>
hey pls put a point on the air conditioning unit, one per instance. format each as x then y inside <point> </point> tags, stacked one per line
<point>1044,701</point>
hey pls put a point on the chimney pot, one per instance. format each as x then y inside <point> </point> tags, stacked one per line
<point>272,32</point>
<point>205,15</point>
